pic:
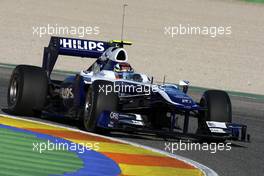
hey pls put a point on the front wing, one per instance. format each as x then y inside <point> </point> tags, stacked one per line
<point>128,122</point>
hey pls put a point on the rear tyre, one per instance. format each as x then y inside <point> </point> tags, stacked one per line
<point>219,108</point>
<point>27,90</point>
<point>97,101</point>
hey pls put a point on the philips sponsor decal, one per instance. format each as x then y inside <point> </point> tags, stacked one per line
<point>82,44</point>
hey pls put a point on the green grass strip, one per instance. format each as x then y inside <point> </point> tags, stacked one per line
<point>18,158</point>
<point>255,1</point>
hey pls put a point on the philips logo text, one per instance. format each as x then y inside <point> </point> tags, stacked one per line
<point>82,44</point>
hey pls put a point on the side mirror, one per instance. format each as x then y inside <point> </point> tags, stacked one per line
<point>185,85</point>
<point>85,73</point>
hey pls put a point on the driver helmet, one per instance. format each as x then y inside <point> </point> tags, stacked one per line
<point>123,67</point>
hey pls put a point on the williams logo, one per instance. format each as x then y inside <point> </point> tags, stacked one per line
<point>82,44</point>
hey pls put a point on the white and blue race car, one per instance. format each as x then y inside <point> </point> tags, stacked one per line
<point>111,96</point>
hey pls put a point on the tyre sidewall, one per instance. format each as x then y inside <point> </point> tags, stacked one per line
<point>100,101</point>
<point>218,106</point>
<point>31,90</point>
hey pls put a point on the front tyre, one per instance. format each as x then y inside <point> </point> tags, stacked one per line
<point>27,90</point>
<point>218,106</point>
<point>97,101</point>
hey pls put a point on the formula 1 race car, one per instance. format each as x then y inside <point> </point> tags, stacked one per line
<point>111,96</point>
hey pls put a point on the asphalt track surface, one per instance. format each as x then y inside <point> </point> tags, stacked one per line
<point>244,158</point>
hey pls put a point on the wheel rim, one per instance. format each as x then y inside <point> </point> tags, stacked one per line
<point>87,109</point>
<point>13,92</point>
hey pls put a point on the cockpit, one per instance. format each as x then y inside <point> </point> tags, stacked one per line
<point>121,70</point>
<point>113,66</point>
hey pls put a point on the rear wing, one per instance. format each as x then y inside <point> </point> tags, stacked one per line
<point>75,47</point>
<point>72,47</point>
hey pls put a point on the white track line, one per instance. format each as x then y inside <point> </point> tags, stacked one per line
<point>206,170</point>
